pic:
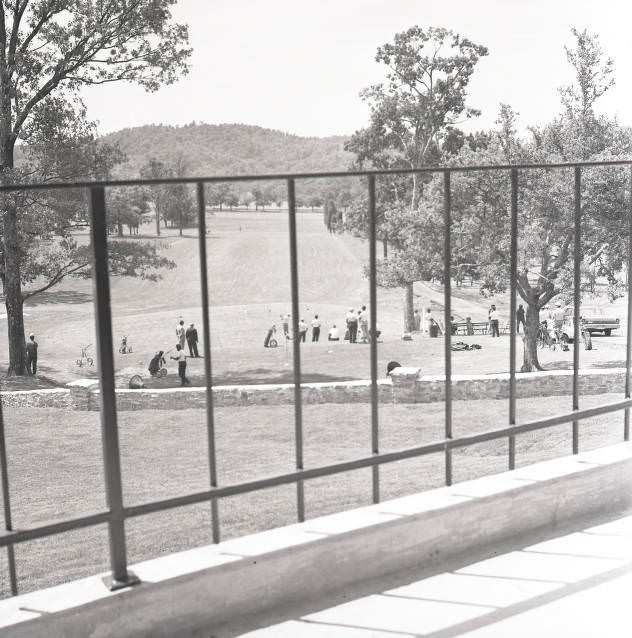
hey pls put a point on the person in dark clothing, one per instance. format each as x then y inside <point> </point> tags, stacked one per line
<point>181,358</point>
<point>192,339</point>
<point>520,319</point>
<point>391,366</point>
<point>266,341</point>
<point>157,362</point>
<point>31,355</point>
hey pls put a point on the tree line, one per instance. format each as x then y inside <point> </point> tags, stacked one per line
<point>413,122</point>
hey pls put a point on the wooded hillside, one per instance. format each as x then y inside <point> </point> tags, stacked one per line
<point>234,149</point>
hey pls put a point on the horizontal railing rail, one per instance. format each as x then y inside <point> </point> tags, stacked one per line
<point>117,512</point>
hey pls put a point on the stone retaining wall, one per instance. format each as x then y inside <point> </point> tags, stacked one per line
<point>55,398</point>
<point>410,386</point>
<point>407,385</point>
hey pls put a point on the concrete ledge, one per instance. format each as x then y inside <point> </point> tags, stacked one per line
<point>192,592</point>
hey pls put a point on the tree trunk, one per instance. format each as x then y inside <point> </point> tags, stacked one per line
<point>13,292</point>
<point>409,318</point>
<point>180,221</point>
<point>385,247</point>
<point>119,227</point>
<point>530,339</point>
<point>157,221</point>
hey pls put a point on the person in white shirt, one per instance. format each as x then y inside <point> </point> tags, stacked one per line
<point>493,321</point>
<point>182,364</point>
<point>364,324</point>
<point>302,330</point>
<point>333,334</point>
<point>180,333</point>
<point>558,316</point>
<point>315,328</point>
<point>352,325</point>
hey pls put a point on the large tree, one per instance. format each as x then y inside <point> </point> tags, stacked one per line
<point>412,114</point>
<point>546,197</point>
<point>49,50</point>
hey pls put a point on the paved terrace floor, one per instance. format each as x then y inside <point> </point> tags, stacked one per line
<point>576,585</point>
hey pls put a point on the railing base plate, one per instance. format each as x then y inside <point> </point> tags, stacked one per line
<point>112,584</point>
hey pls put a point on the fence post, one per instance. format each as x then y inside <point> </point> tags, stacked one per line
<point>628,337</point>
<point>208,371</point>
<point>447,292</point>
<point>375,447</point>
<point>4,473</point>
<point>296,349</point>
<point>120,576</point>
<point>512,314</point>
<point>577,256</point>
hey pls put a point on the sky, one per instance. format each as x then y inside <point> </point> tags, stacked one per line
<point>298,65</point>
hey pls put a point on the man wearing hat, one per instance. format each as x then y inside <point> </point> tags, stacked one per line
<point>192,340</point>
<point>31,355</point>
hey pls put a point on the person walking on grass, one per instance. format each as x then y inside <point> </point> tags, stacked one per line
<point>31,355</point>
<point>180,333</point>
<point>352,325</point>
<point>493,321</point>
<point>315,329</point>
<point>520,319</point>
<point>192,340</point>
<point>181,358</point>
<point>364,324</point>
<point>302,330</point>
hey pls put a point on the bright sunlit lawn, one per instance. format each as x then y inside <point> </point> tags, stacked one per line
<point>56,469</point>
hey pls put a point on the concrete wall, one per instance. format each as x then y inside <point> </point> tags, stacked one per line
<point>407,385</point>
<point>193,592</point>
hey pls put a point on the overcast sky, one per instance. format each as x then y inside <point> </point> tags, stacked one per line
<point>298,65</point>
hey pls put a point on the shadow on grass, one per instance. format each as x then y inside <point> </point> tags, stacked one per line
<point>256,376</point>
<point>38,382</point>
<point>58,296</point>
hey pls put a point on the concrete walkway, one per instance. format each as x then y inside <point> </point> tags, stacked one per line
<point>574,585</point>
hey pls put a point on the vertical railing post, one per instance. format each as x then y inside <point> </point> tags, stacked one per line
<point>373,340</point>
<point>208,371</point>
<point>296,349</point>
<point>447,307</point>
<point>513,274</point>
<point>8,526</point>
<point>577,255</point>
<point>120,577</point>
<point>628,349</point>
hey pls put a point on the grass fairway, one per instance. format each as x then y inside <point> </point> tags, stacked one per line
<point>55,469</point>
<point>249,281</point>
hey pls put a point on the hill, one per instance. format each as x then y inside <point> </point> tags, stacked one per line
<point>234,149</point>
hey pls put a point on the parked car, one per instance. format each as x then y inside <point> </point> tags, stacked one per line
<point>594,319</point>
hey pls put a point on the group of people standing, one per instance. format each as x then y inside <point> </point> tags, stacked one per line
<point>357,328</point>
<point>358,325</point>
<point>190,335</point>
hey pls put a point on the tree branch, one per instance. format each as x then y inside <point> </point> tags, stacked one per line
<point>59,275</point>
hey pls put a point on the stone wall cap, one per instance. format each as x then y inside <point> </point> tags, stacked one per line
<point>83,383</point>
<point>404,371</point>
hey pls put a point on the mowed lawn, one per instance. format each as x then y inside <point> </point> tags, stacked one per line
<point>249,288</point>
<point>55,468</point>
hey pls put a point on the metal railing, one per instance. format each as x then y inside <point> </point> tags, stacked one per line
<point>116,513</point>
